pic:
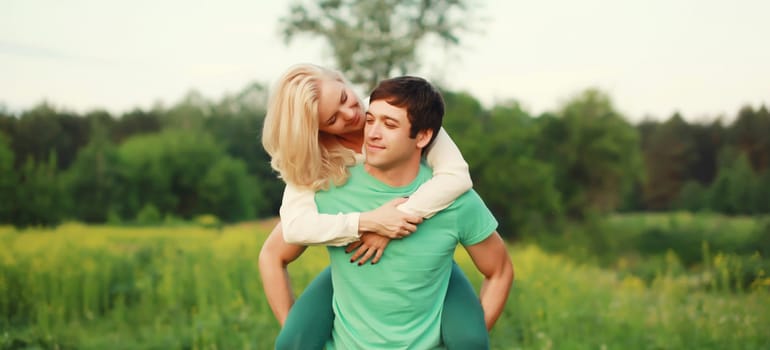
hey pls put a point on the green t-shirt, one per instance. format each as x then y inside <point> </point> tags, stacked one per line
<point>397,303</point>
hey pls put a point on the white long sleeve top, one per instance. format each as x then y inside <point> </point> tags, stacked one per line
<point>303,224</point>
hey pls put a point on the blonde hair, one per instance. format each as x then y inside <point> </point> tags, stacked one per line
<point>290,133</point>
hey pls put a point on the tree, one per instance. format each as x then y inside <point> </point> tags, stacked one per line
<point>708,140</point>
<point>519,188</point>
<point>595,152</point>
<point>7,180</point>
<point>224,188</point>
<point>669,156</point>
<point>236,123</point>
<point>8,124</point>
<point>43,130</point>
<point>134,123</point>
<point>189,113</point>
<point>93,181</point>
<point>177,172</point>
<point>735,190</point>
<point>465,120</point>
<point>373,39</point>
<point>751,134</point>
<point>39,194</point>
<point>762,197</point>
<point>500,147</point>
<point>692,197</point>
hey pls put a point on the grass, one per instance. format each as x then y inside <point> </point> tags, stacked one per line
<point>97,287</point>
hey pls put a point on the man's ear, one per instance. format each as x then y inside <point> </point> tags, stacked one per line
<point>423,137</point>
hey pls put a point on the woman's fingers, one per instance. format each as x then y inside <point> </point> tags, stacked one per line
<point>406,230</point>
<point>414,220</point>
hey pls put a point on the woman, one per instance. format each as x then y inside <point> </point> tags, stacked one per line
<point>313,131</point>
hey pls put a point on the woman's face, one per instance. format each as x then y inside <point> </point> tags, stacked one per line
<point>339,110</point>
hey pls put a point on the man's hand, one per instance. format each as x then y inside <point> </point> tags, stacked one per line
<point>371,244</point>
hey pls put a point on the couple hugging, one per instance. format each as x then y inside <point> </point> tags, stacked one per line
<point>388,192</point>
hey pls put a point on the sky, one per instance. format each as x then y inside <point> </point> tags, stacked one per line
<point>703,59</point>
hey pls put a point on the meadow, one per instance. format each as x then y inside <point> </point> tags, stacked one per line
<point>192,287</point>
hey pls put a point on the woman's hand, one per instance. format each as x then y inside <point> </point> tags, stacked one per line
<point>389,221</point>
<point>371,244</point>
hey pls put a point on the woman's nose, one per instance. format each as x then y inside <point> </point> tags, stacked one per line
<point>349,113</point>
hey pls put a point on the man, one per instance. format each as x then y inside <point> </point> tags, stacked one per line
<point>397,303</point>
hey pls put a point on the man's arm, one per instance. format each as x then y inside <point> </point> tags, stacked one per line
<point>275,255</point>
<point>491,258</point>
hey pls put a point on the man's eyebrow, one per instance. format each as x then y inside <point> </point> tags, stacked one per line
<point>383,116</point>
<point>391,119</point>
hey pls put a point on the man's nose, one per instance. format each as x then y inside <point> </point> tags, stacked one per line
<point>372,130</point>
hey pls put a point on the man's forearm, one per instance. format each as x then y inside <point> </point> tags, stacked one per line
<point>492,260</point>
<point>275,255</point>
<point>275,282</point>
<point>494,293</point>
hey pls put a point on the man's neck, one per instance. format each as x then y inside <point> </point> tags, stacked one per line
<point>396,176</point>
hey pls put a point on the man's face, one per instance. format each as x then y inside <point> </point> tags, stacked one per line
<point>388,144</point>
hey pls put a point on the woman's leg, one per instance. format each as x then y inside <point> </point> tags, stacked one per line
<point>309,323</point>
<point>462,320</point>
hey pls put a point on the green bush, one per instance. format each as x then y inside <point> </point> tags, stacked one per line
<point>148,215</point>
<point>681,244</point>
<point>685,243</point>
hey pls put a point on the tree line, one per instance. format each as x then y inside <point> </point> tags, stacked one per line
<point>203,157</point>
<point>195,158</point>
<point>586,159</point>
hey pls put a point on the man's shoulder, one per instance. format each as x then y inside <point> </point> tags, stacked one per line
<point>474,219</point>
<point>468,203</point>
<point>354,172</point>
<point>469,199</point>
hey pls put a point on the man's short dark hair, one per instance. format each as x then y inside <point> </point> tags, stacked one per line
<point>423,102</point>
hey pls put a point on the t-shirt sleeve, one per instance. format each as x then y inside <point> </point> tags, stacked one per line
<point>474,219</point>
